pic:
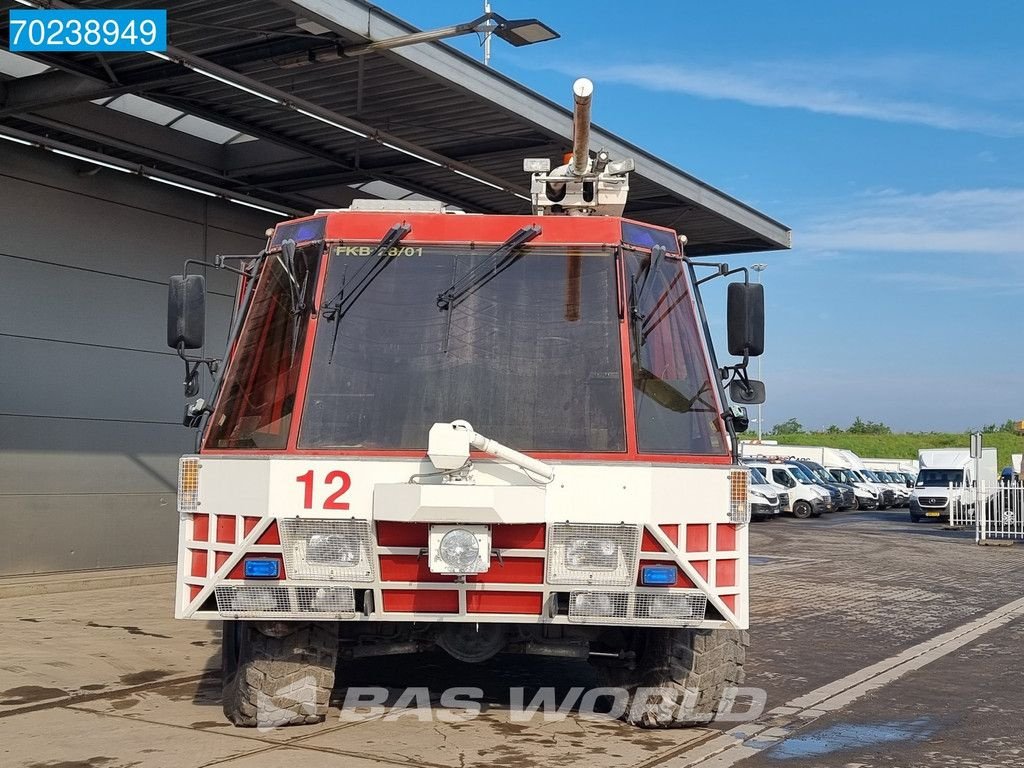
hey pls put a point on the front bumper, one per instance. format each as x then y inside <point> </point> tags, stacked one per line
<point>257,508</point>
<point>765,510</point>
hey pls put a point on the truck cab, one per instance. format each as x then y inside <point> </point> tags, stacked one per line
<point>473,433</point>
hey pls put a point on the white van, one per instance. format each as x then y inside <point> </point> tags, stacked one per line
<point>869,495</point>
<point>765,501</point>
<point>805,498</point>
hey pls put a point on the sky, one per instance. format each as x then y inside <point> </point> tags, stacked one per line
<point>888,136</point>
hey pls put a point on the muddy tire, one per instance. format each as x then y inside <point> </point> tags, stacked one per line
<point>681,676</point>
<point>271,682</point>
<point>802,510</point>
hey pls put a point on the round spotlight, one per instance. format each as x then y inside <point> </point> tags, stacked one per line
<point>460,549</point>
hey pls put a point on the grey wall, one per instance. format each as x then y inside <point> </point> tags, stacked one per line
<point>90,396</point>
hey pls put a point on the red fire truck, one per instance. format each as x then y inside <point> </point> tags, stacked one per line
<point>481,433</point>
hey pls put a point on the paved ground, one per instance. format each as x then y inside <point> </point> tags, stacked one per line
<point>878,643</point>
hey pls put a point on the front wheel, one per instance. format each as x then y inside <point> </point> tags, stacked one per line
<point>802,510</point>
<point>272,681</point>
<point>683,677</point>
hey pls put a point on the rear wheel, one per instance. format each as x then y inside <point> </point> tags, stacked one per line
<point>272,681</point>
<point>682,676</point>
<point>802,510</point>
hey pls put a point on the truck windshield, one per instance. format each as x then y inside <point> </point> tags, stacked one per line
<point>756,478</point>
<point>254,410</point>
<point>939,478</point>
<point>801,474</point>
<point>675,402</point>
<point>530,355</point>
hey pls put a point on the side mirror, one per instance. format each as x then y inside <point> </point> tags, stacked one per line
<point>186,311</point>
<point>745,310</point>
<point>750,392</point>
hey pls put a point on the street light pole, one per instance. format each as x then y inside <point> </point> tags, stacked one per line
<point>759,268</point>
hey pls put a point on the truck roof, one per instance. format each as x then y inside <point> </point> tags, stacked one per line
<point>458,228</point>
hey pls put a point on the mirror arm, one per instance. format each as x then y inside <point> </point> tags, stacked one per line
<point>218,263</point>
<point>722,271</point>
<point>739,372</point>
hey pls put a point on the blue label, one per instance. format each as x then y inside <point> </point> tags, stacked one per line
<point>102,31</point>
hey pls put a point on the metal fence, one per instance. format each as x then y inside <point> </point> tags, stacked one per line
<point>1002,508</point>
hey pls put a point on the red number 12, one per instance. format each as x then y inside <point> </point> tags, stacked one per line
<point>331,502</point>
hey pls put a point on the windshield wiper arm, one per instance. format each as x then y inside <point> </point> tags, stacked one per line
<point>496,262</point>
<point>336,309</point>
<point>637,288</point>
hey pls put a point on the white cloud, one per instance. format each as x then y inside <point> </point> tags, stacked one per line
<point>885,89</point>
<point>965,221</point>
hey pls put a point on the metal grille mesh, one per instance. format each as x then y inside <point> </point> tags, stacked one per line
<point>739,503</point>
<point>670,609</point>
<point>598,555</point>
<point>330,550</point>
<point>602,607</point>
<point>673,607</point>
<point>340,601</point>
<point>252,600</point>
<point>188,484</point>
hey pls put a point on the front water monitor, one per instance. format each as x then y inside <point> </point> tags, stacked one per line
<point>186,311</point>
<point>745,312</point>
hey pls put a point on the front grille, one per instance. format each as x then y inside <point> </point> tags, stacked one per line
<point>784,500</point>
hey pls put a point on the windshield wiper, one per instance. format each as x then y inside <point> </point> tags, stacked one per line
<point>286,258</point>
<point>336,309</point>
<point>496,262</point>
<point>636,293</point>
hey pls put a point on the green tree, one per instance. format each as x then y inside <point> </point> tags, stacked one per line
<point>833,429</point>
<point>861,427</point>
<point>788,427</point>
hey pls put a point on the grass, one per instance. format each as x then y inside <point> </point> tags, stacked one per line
<point>901,445</point>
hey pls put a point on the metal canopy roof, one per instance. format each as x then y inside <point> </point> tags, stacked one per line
<point>253,102</point>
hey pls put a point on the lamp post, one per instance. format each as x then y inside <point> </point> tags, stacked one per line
<point>517,32</point>
<point>759,268</point>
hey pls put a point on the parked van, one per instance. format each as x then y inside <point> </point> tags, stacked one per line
<point>765,501</point>
<point>869,495</point>
<point>843,495</point>
<point>806,499</point>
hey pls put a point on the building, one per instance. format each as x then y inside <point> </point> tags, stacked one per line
<point>115,169</point>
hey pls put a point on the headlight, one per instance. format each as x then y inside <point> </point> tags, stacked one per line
<point>588,553</point>
<point>758,494</point>
<point>592,555</point>
<point>333,549</point>
<point>460,549</point>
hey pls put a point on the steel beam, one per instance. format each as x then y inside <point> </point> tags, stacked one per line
<point>354,17</point>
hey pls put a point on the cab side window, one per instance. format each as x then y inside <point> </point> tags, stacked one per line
<point>782,477</point>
